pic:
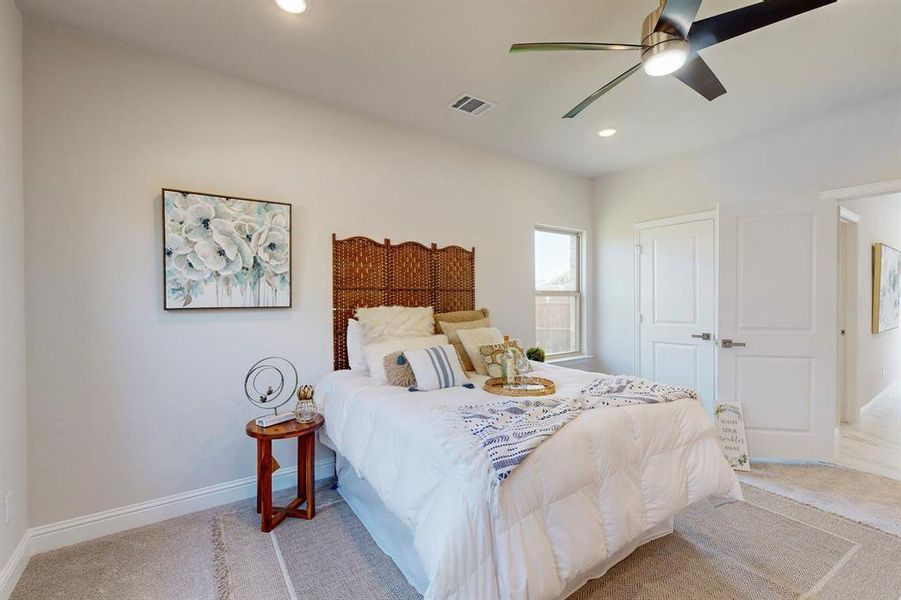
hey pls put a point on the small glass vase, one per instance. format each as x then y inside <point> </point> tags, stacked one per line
<point>305,411</point>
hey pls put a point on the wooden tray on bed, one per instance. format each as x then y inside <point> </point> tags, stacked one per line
<point>523,386</point>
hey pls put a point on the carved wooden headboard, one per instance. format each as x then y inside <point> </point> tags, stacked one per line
<point>368,273</point>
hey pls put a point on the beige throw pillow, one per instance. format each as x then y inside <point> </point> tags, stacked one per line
<point>459,316</point>
<point>451,330</point>
<point>398,371</point>
<point>474,339</point>
<point>493,357</point>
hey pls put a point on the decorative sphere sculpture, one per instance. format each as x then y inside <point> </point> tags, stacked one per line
<point>270,382</point>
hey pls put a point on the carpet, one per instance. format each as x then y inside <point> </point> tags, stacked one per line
<point>172,559</point>
<point>768,547</point>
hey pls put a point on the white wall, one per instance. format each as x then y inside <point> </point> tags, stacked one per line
<point>129,402</point>
<point>854,146</point>
<point>878,355</point>
<point>13,409</point>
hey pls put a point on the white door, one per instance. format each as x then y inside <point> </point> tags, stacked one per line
<point>677,303</point>
<point>777,323</point>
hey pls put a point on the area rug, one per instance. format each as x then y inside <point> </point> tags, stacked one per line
<point>859,496</point>
<point>331,556</point>
<point>765,547</point>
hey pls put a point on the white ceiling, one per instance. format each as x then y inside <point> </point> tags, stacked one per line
<point>404,61</point>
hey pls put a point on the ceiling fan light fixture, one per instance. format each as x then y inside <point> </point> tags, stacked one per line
<point>665,47</point>
<point>665,58</point>
<point>608,132</point>
<point>295,7</point>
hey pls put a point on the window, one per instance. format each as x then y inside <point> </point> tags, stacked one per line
<point>558,291</point>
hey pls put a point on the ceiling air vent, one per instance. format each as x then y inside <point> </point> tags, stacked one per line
<point>471,105</point>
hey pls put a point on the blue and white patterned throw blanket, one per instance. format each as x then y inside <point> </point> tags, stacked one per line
<point>511,429</point>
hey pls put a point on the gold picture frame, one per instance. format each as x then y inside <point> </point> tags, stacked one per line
<point>886,287</point>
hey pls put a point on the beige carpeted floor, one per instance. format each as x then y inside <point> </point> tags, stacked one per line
<point>769,546</point>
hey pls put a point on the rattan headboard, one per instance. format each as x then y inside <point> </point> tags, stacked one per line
<point>368,273</point>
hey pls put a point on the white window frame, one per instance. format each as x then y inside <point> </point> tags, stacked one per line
<point>578,294</point>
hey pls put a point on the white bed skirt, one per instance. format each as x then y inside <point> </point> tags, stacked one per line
<point>396,540</point>
<point>389,533</point>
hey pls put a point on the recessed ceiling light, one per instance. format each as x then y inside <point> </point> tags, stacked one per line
<point>607,132</point>
<point>292,6</point>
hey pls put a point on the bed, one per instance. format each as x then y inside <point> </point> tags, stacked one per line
<point>607,482</point>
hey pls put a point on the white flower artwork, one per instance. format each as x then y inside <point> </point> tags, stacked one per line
<point>222,252</point>
<point>886,288</point>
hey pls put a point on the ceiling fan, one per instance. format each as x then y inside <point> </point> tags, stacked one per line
<point>671,38</point>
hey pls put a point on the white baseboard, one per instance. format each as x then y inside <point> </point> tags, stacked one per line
<point>88,527</point>
<point>887,391</point>
<point>13,568</point>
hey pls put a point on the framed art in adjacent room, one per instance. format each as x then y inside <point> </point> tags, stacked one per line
<point>225,252</point>
<point>886,287</point>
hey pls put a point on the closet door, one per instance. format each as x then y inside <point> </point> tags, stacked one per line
<point>677,301</point>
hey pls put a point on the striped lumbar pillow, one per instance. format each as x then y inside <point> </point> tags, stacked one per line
<point>436,368</point>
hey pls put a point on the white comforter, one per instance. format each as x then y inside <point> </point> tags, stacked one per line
<point>589,490</point>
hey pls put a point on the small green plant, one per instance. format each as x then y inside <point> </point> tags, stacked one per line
<point>535,353</point>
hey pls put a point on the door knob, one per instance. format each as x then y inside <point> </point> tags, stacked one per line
<point>727,343</point>
<point>701,336</point>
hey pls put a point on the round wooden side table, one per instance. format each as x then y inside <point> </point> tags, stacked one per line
<point>270,516</point>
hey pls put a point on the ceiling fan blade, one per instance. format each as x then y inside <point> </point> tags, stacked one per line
<point>584,103</point>
<point>698,76</point>
<point>677,16</point>
<point>720,28</point>
<point>554,46</point>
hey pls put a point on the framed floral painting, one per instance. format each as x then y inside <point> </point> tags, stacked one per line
<point>225,252</point>
<point>886,287</point>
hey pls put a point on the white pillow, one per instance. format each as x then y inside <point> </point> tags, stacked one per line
<point>436,368</point>
<point>473,339</point>
<point>376,352</point>
<point>355,358</point>
<point>381,322</point>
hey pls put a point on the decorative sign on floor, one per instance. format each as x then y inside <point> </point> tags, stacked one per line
<point>730,432</point>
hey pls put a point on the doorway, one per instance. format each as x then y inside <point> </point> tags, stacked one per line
<point>868,422</point>
<point>848,299</point>
<point>676,302</point>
